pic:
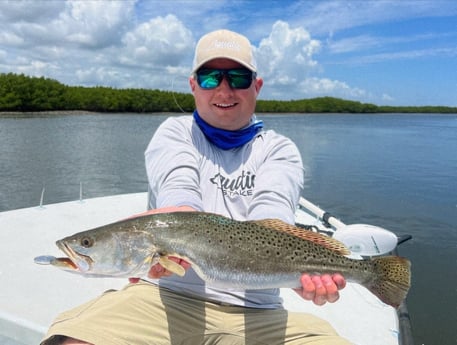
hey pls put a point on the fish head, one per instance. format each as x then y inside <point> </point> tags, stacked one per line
<point>107,252</point>
<point>79,254</point>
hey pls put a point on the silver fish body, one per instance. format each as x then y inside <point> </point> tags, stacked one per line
<point>228,253</point>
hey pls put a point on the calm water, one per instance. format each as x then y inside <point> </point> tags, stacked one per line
<point>394,171</point>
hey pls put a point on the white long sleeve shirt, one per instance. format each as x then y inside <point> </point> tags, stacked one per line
<point>261,179</point>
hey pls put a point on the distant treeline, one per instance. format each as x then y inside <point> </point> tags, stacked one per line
<point>31,94</point>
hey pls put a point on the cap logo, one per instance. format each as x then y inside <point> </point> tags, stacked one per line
<point>226,45</point>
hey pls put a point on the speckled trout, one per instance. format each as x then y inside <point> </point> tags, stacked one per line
<point>226,253</point>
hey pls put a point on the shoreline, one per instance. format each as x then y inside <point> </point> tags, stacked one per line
<point>26,114</point>
<point>75,112</point>
<point>47,112</point>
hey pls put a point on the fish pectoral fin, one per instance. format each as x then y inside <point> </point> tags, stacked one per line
<point>172,266</point>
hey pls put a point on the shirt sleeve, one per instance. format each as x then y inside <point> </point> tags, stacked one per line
<point>172,166</point>
<point>279,181</point>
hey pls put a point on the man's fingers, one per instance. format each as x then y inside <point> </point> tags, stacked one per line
<point>321,289</point>
<point>182,262</point>
<point>158,271</point>
<point>307,291</point>
<point>320,297</point>
<point>339,280</point>
<point>331,288</point>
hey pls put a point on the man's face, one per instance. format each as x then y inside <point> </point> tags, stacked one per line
<point>224,107</point>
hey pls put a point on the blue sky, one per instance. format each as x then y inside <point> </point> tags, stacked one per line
<point>396,52</point>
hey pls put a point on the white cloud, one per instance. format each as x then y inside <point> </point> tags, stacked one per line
<point>356,43</point>
<point>162,41</point>
<point>387,98</point>
<point>3,56</point>
<point>88,24</point>
<point>326,17</point>
<point>10,39</point>
<point>38,68</point>
<point>284,49</point>
<point>94,24</point>
<point>403,55</point>
<point>101,75</point>
<point>31,11</point>
<point>151,55</point>
<point>325,86</point>
<point>287,64</point>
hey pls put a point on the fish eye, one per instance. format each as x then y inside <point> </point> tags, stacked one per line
<point>87,242</point>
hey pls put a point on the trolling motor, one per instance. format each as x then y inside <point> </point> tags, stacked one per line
<point>362,239</point>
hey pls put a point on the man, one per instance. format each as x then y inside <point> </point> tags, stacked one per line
<point>221,161</point>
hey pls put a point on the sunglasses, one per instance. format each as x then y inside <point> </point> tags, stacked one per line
<point>238,78</point>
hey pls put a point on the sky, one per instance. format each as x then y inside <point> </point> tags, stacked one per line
<point>397,52</point>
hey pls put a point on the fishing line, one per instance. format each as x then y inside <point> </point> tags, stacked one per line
<point>173,92</point>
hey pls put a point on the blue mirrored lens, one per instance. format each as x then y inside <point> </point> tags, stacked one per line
<point>238,78</point>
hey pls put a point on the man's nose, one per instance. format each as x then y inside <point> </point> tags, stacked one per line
<point>224,85</point>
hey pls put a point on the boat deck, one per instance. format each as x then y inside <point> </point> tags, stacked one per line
<point>32,295</point>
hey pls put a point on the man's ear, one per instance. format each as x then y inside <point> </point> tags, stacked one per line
<point>192,83</point>
<point>258,85</point>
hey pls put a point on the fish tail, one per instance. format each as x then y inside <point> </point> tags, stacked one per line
<point>392,279</point>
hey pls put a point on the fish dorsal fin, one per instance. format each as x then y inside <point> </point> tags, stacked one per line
<point>172,266</point>
<point>324,241</point>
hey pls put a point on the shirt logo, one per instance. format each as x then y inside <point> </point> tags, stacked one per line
<point>242,185</point>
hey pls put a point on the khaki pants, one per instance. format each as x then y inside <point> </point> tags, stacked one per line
<point>142,313</point>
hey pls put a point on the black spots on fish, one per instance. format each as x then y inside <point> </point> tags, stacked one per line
<point>394,267</point>
<point>392,279</point>
<point>237,232</point>
<point>273,244</point>
<point>209,240</point>
<point>354,265</point>
<point>295,255</point>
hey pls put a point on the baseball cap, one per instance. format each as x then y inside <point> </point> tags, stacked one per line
<point>224,44</point>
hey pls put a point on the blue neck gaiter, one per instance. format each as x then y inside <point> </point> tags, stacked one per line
<point>227,140</point>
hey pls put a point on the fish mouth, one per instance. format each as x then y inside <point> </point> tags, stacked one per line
<point>74,261</point>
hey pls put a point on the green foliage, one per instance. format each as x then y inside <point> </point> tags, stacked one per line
<point>21,93</point>
<point>30,94</point>
<point>315,105</point>
<point>27,94</point>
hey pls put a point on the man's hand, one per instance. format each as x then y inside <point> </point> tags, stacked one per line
<point>158,271</point>
<point>321,289</point>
